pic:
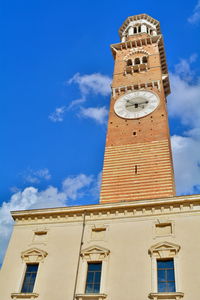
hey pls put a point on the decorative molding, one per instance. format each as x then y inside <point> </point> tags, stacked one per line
<point>24,295</point>
<point>163,207</point>
<point>91,296</point>
<point>124,89</point>
<point>164,250</point>
<point>95,253</point>
<point>166,296</point>
<point>159,223</point>
<point>136,51</point>
<point>33,255</point>
<point>137,18</point>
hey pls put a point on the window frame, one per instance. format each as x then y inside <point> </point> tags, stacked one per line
<point>163,251</point>
<point>92,254</point>
<point>26,274</point>
<point>93,282</point>
<point>166,281</point>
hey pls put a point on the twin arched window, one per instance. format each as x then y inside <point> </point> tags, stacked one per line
<point>137,61</point>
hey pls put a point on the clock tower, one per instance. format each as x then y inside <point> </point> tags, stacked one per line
<point>138,161</point>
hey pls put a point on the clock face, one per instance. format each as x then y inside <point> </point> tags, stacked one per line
<point>136,104</point>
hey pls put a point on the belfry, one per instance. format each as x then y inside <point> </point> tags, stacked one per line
<point>141,241</point>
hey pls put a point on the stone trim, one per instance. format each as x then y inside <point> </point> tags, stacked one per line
<point>90,296</point>
<point>95,253</point>
<point>164,250</point>
<point>136,18</point>
<point>166,296</point>
<point>33,255</point>
<point>156,84</point>
<point>24,295</point>
<point>136,51</point>
<point>110,211</point>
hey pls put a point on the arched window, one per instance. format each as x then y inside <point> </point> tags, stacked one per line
<point>144,60</point>
<point>129,62</point>
<point>135,29</point>
<point>137,61</point>
<point>139,29</point>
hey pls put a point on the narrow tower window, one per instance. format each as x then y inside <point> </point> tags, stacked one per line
<point>137,61</point>
<point>144,59</point>
<point>136,169</point>
<point>129,62</point>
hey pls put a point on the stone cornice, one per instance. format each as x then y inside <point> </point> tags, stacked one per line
<point>138,43</point>
<point>140,208</point>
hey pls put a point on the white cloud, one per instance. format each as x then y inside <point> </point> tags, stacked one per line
<point>99,114</point>
<point>95,191</point>
<point>88,84</point>
<point>73,188</point>
<point>186,156</point>
<point>32,176</point>
<point>184,104</point>
<point>184,101</point>
<point>195,17</point>
<point>58,114</point>
<point>183,68</point>
<point>76,102</point>
<point>96,83</point>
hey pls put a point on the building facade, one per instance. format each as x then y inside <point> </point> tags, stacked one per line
<point>141,242</point>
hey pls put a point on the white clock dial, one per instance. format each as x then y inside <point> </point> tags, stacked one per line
<point>136,105</point>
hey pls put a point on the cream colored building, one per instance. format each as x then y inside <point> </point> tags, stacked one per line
<point>127,238</point>
<point>133,249</point>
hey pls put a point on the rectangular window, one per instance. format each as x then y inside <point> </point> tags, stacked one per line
<point>166,278</point>
<point>93,278</point>
<point>29,278</point>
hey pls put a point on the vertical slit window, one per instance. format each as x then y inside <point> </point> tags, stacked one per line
<point>29,278</point>
<point>166,278</point>
<point>93,278</point>
<point>136,169</point>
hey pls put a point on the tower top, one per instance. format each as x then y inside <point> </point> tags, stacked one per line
<point>137,24</point>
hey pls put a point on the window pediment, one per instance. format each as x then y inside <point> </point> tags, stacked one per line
<point>33,255</point>
<point>164,250</point>
<point>95,253</point>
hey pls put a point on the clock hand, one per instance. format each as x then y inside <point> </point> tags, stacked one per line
<point>143,102</point>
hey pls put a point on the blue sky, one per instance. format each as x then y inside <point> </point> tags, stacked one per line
<point>56,68</point>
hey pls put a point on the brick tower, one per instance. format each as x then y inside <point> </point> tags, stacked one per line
<point>138,161</point>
